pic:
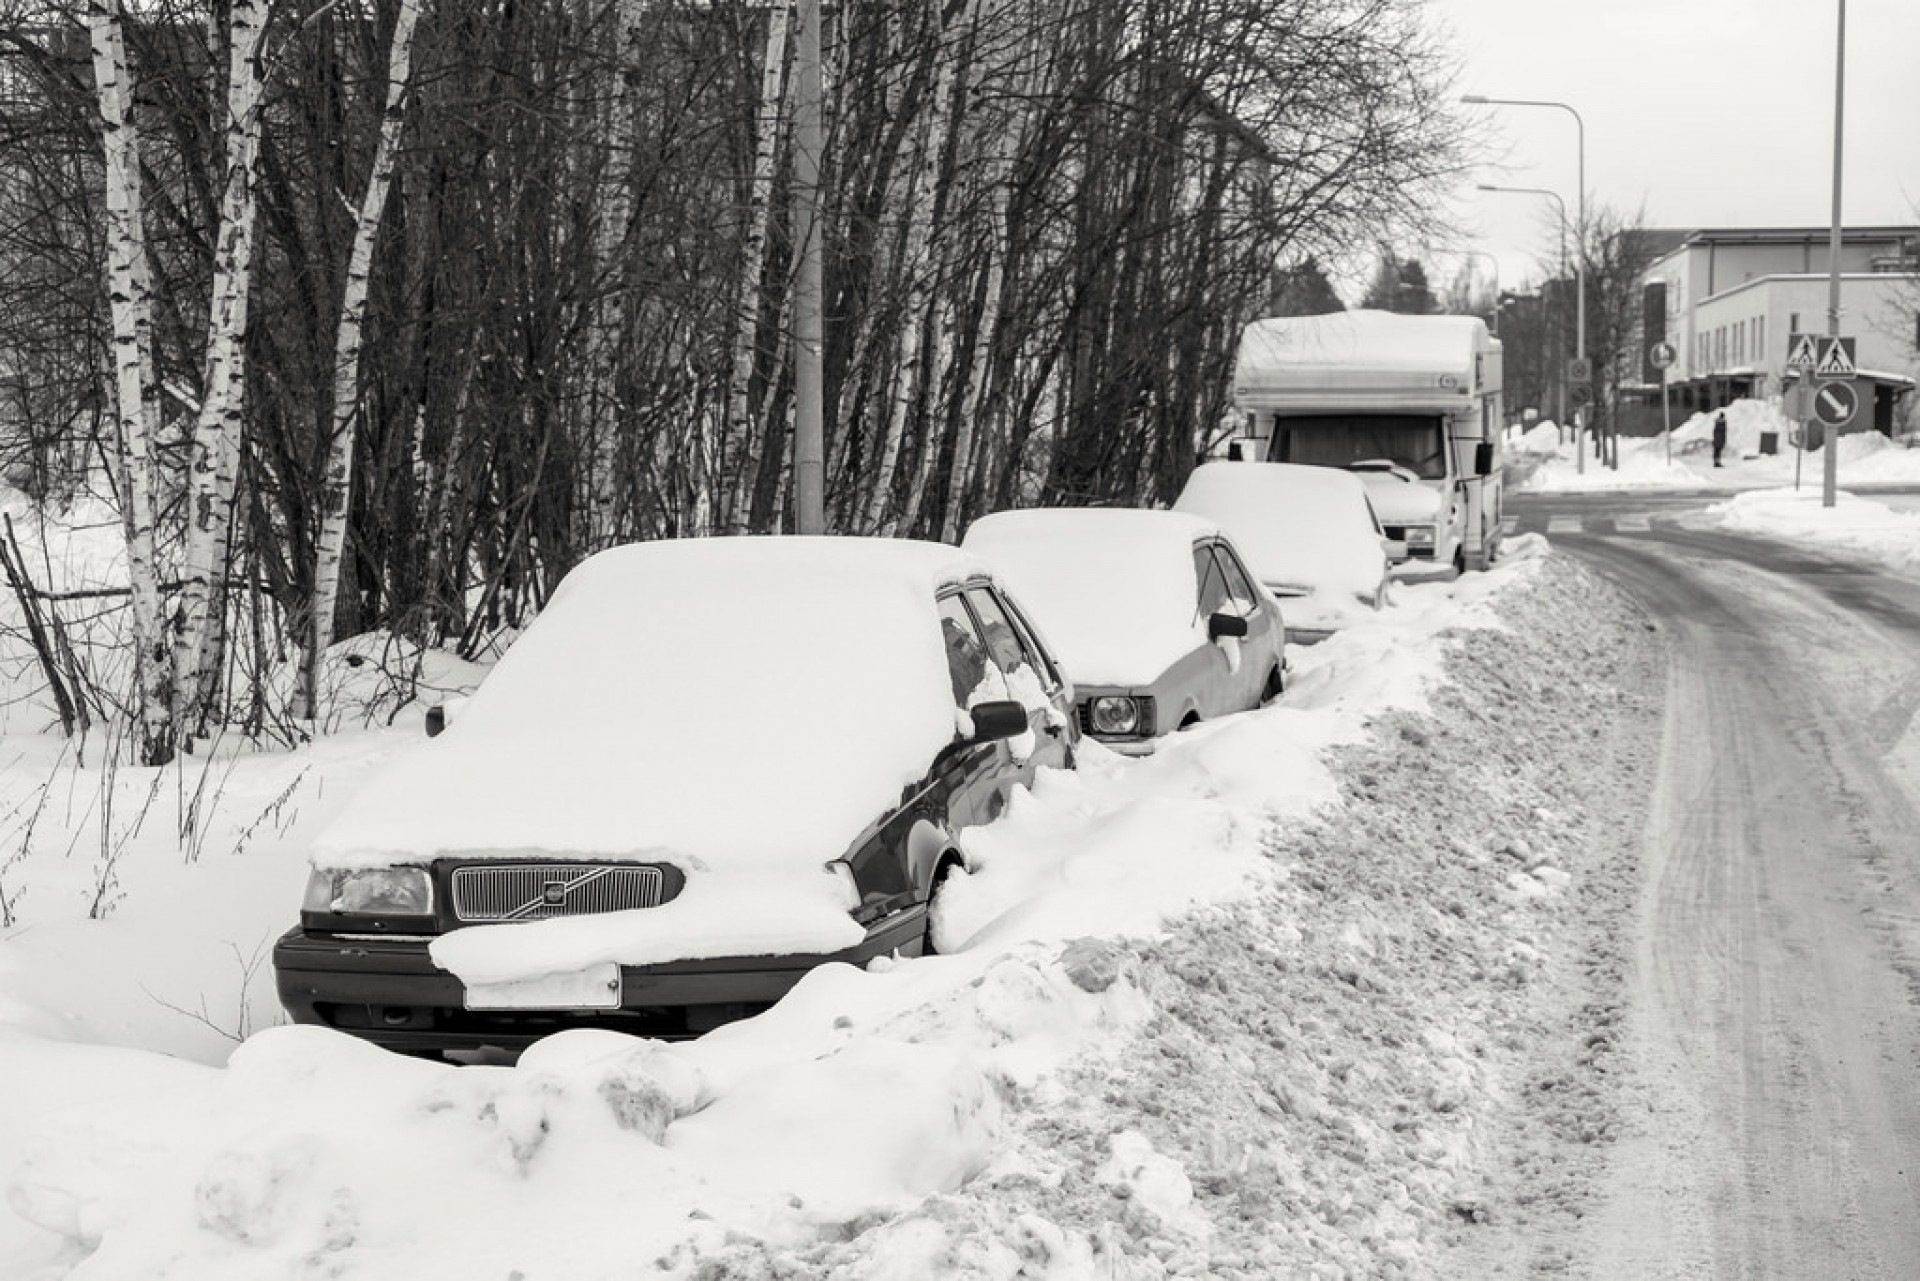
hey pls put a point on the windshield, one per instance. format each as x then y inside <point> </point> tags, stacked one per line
<point>1415,441</point>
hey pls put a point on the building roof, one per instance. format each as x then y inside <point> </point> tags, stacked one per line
<point>1796,235</point>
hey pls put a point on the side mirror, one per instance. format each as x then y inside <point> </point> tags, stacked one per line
<point>1226,625</point>
<point>998,719</point>
<point>1483,458</point>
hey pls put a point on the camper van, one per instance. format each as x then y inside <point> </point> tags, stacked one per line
<point>1410,404</point>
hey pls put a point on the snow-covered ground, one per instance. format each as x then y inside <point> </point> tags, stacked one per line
<point>1255,1006</point>
<point>1685,461</point>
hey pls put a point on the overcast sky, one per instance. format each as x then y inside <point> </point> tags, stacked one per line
<point>1697,113</point>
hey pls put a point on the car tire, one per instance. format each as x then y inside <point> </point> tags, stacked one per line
<point>949,863</point>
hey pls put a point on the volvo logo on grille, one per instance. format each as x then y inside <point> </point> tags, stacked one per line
<point>553,893</point>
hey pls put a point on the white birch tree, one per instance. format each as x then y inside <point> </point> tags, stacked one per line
<point>136,383</point>
<point>215,447</point>
<point>336,482</point>
<point>605,413</point>
<point>753,255</point>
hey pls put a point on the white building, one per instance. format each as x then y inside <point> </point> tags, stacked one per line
<point>1729,302</point>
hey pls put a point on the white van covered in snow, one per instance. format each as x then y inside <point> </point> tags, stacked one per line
<point>1411,404</point>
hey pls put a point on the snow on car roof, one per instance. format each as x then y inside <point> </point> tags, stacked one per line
<point>1113,588</point>
<point>1298,526</point>
<point>725,702</point>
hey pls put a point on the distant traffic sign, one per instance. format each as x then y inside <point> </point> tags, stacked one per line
<point>1580,393</point>
<point>1661,354</point>
<point>1835,404</point>
<point>1580,370</point>
<point>1802,352</point>
<point>1836,359</point>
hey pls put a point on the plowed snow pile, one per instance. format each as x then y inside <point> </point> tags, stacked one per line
<point>1326,1071</point>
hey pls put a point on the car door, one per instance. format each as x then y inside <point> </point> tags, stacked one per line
<point>1216,668</point>
<point>1265,643</point>
<point>971,775</point>
<point>1032,679</point>
<point>1242,664</point>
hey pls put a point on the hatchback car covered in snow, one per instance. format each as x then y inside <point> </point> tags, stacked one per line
<point>1155,614</point>
<point>1309,534</point>
<point>708,767</point>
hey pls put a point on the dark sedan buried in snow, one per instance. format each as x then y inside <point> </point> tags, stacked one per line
<point>709,767</point>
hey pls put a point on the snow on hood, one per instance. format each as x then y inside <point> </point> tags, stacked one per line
<point>739,704</point>
<point>1299,527</point>
<point>1112,588</point>
<point>1397,501</point>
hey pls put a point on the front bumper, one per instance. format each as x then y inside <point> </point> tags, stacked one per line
<point>389,991</point>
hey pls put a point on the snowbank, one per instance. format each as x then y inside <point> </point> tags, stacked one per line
<point>1251,1007</point>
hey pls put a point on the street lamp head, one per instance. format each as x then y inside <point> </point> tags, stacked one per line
<point>1478,98</point>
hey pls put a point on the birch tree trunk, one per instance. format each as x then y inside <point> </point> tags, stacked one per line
<point>605,413</point>
<point>136,385</point>
<point>967,433</point>
<point>922,200</point>
<point>215,447</point>
<point>753,251</point>
<point>337,481</point>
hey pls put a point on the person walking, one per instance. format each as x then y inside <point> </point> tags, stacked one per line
<point>1719,435</point>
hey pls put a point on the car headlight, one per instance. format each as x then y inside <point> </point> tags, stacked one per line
<point>1121,714</point>
<point>1419,535</point>
<point>370,891</point>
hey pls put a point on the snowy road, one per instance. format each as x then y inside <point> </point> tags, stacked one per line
<point>1772,1116</point>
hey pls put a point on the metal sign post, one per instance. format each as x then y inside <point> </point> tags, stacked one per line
<point>1800,416</point>
<point>1660,356</point>
<point>1803,355</point>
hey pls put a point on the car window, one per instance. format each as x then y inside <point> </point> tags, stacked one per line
<point>1239,583</point>
<point>1213,582</point>
<point>1007,648</point>
<point>1019,663</point>
<point>1036,652</point>
<point>975,678</point>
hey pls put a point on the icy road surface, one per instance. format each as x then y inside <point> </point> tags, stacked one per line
<point>1768,1055</point>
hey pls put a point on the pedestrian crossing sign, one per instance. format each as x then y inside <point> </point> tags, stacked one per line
<point>1801,352</point>
<point>1836,359</point>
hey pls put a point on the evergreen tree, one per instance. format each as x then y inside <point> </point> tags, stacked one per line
<point>1304,290</point>
<point>1400,284</point>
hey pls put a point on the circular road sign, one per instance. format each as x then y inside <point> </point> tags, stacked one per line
<point>1661,354</point>
<point>1834,404</point>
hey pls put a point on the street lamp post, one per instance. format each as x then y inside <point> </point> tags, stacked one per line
<point>1579,448</point>
<point>1580,137</point>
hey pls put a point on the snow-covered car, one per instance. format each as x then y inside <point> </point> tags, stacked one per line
<point>1309,533</point>
<point>708,767</point>
<point>1155,614</point>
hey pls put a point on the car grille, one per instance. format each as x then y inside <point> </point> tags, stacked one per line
<point>538,891</point>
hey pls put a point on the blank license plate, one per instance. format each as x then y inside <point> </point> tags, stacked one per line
<point>594,988</point>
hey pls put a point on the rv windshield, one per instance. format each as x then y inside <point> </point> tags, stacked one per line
<point>1415,441</point>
